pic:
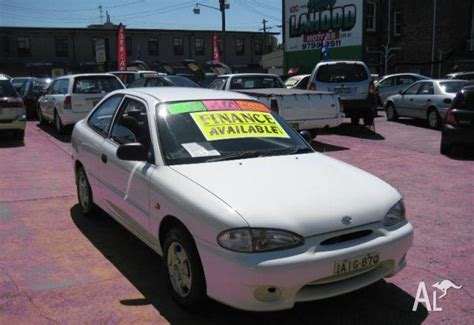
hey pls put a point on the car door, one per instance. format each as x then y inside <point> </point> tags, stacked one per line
<point>424,100</point>
<point>100,122</point>
<point>407,100</point>
<point>126,183</point>
<point>385,88</point>
<point>47,102</point>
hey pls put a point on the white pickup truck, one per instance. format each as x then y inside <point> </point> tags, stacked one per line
<point>302,109</point>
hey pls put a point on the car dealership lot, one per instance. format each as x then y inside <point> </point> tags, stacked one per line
<point>57,266</point>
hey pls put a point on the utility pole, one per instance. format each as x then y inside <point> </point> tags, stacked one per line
<point>222,7</point>
<point>433,40</point>
<point>101,14</point>
<point>264,22</point>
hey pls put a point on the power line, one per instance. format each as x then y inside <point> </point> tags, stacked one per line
<point>256,11</point>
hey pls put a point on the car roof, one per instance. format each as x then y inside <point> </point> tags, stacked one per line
<point>87,75</point>
<point>171,94</point>
<point>134,71</point>
<point>300,76</point>
<point>404,74</point>
<point>341,61</point>
<point>249,75</point>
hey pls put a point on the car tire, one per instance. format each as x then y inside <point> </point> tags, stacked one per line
<point>183,269</point>
<point>445,149</point>
<point>434,120</point>
<point>355,120</point>
<point>41,119</point>
<point>391,112</point>
<point>58,124</point>
<point>84,193</point>
<point>19,135</point>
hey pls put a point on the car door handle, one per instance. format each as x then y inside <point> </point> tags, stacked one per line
<point>428,100</point>
<point>104,158</point>
<point>411,99</point>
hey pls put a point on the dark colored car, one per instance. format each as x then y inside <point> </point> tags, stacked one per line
<point>17,82</point>
<point>164,81</point>
<point>31,90</point>
<point>12,110</point>
<point>461,75</point>
<point>458,126</point>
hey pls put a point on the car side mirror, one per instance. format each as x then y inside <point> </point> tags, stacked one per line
<point>132,152</point>
<point>306,135</point>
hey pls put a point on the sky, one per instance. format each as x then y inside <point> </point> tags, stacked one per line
<point>246,15</point>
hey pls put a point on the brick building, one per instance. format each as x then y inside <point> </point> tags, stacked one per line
<point>409,30</point>
<point>37,51</point>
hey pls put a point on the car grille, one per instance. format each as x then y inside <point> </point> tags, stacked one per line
<point>346,237</point>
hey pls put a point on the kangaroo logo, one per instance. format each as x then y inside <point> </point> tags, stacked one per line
<point>444,285</point>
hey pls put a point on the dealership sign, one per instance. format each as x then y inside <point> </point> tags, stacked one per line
<point>121,49</point>
<point>309,22</point>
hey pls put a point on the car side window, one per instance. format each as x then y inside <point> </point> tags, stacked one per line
<point>405,80</point>
<point>156,82</point>
<point>413,90</point>
<point>138,83</point>
<point>101,119</point>
<point>131,124</point>
<point>63,86</point>
<point>303,83</point>
<point>218,84</point>
<point>426,89</point>
<point>387,82</point>
<point>54,88</point>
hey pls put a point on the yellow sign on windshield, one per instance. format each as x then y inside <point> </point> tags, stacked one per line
<point>222,125</point>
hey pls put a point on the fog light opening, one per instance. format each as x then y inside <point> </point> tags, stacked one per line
<point>267,294</point>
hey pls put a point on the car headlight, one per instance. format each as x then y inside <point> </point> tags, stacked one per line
<point>395,215</point>
<point>249,240</point>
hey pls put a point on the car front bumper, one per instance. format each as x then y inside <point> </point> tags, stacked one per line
<point>277,280</point>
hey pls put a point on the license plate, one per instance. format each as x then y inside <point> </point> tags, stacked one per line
<point>342,90</point>
<point>355,264</point>
<point>294,126</point>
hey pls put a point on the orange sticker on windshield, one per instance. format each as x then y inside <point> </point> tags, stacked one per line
<point>246,105</point>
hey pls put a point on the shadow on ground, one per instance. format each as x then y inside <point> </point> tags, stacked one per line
<point>413,122</point>
<point>355,131</point>
<point>325,147</point>
<point>379,303</point>
<point>8,140</point>
<point>49,128</point>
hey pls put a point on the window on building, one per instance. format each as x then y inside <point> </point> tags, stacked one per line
<point>371,16</point>
<point>258,46</point>
<point>153,46</point>
<point>6,46</point>
<point>178,48</point>
<point>23,46</point>
<point>128,45</point>
<point>397,24</point>
<point>61,44</point>
<point>199,46</point>
<point>239,46</point>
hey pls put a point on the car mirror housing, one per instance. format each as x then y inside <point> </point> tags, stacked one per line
<point>306,135</point>
<point>132,152</point>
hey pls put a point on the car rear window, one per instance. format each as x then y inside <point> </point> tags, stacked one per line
<point>6,89</point>
<point>255,82</point>
<point>95,85</point>
<point>452,87</point>
<point>341,73</point>
<point>178,81</point>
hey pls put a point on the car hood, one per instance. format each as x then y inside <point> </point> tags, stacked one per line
<point>308,194</point>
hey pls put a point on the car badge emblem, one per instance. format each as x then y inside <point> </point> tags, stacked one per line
<point>346,220</point>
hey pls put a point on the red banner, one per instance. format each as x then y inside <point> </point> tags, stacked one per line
<point>121,49</point>
<point>216,55</point>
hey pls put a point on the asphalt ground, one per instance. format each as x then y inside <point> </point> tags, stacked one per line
<point>57,266</point>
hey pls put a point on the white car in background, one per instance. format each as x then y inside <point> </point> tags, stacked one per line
<point>71,98</point>
<point>242,209</point>
<point>392,84</point>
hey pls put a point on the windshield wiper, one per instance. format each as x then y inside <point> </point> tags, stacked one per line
<point>261,153</point>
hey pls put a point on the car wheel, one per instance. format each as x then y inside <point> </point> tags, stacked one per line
<point>84,193</point>
<point>355,120</point>
<point>434,120</point>
<point>184,269</point>
<point>445,149</point>
<point>41,119</point>
<point>58,124</point>
<point>19,135</point>
<point>391,112</point>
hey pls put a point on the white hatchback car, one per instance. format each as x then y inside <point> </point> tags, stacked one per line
<point>70,98</point>
<point>242,209</point>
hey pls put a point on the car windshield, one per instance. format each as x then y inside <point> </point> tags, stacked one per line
<point>42,84</point>
<point>255,82</point>
<point>17,82</point>
<point>179,81</point>
<point>96,85</point>
<point>6,89</point>
<point>342,72</point>
<point>215,130</point>
<point>452,87</point>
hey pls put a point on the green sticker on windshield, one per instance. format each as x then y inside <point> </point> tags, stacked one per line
<point>186,107</point>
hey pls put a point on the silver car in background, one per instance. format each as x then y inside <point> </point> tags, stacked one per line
<point>392,84</point>
<point>428,100</point>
